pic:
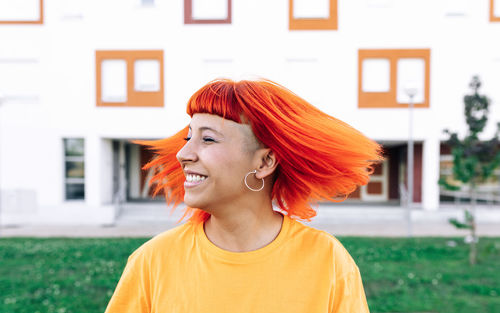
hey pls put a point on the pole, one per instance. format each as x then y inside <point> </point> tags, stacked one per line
<point>410,166</point>
<point>1,102</point>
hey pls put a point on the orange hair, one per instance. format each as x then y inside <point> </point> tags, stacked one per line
<point>319,157</point>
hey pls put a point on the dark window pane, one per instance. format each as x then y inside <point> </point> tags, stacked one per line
<point>73,147</point>
<point>74,169</point>
<point>75,191</point>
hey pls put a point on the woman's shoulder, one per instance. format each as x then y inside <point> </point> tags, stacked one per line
<point>318,236</point>
<point>166,240</point>
<point>321,240</point>
<point>176,233</point>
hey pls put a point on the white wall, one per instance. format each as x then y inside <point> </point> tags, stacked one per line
<point>321,66</point>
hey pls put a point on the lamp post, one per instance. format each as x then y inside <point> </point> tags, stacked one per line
<point>411,91</point>
<point>2,97</point>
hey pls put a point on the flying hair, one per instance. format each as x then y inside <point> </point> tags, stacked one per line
<point>320,158</point>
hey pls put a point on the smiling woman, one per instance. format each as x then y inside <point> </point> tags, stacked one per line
<point>249,145</point>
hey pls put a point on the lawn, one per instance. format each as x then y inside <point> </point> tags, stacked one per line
<point>400,274</point>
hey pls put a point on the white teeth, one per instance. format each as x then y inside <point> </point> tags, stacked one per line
<point>194,178</point>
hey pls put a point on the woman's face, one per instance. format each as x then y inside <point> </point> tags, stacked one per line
<point>215,159</point>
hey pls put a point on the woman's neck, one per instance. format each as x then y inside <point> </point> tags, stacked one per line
<point>245,230</point>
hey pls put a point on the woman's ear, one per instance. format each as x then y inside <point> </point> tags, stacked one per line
<point>267,163</point>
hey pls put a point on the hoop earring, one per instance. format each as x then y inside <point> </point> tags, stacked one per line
<point>254,172</point>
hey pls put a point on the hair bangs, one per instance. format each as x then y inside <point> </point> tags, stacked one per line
<point>218,98</point>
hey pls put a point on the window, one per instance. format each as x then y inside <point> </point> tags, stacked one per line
<point>313,14</point>
<point>21,11</point>
<point>129,78</point>
<point>494,10</point>
<point>377,188</point>
<point>74,169</point>
<point>387,77</point>
<point>207,11</point>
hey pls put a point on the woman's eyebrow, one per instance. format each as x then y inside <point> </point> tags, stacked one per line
<point>207,128</point>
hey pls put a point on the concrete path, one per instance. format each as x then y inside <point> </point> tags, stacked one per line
<point>346,220</point>
<point>149,229</point>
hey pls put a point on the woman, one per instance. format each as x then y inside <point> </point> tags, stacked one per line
<point>250,143</point>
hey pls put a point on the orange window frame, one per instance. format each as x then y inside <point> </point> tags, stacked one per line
<point>330,23</point>
<point>389,99</point>
<point>188,14</point>
<point>39,21</point>
<point>134,98</point>
<point>493,18</point>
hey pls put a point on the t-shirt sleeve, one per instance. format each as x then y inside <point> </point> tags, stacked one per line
<point>349,294</point>
<point>133,293</point>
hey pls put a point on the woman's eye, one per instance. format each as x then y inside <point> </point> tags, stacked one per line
<point>206,139</point>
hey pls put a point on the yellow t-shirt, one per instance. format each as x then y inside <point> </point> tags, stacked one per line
<point>182,271</point>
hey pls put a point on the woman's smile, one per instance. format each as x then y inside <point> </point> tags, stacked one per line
<point>194,180</point>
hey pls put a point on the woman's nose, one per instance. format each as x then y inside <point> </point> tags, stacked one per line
<point>187,153</point>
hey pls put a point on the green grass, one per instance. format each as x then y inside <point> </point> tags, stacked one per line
<point>400,275</point>
<point>427,275</point>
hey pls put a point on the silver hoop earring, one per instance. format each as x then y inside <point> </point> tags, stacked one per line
<point>254,172</point>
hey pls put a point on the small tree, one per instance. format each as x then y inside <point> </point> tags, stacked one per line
<point>474,161</point>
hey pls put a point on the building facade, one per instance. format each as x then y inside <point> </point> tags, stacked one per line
<point>80,79</point>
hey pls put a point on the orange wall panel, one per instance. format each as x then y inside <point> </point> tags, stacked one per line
<point>134,98</point>
<point>330,23</point>
<point>388,99</point>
